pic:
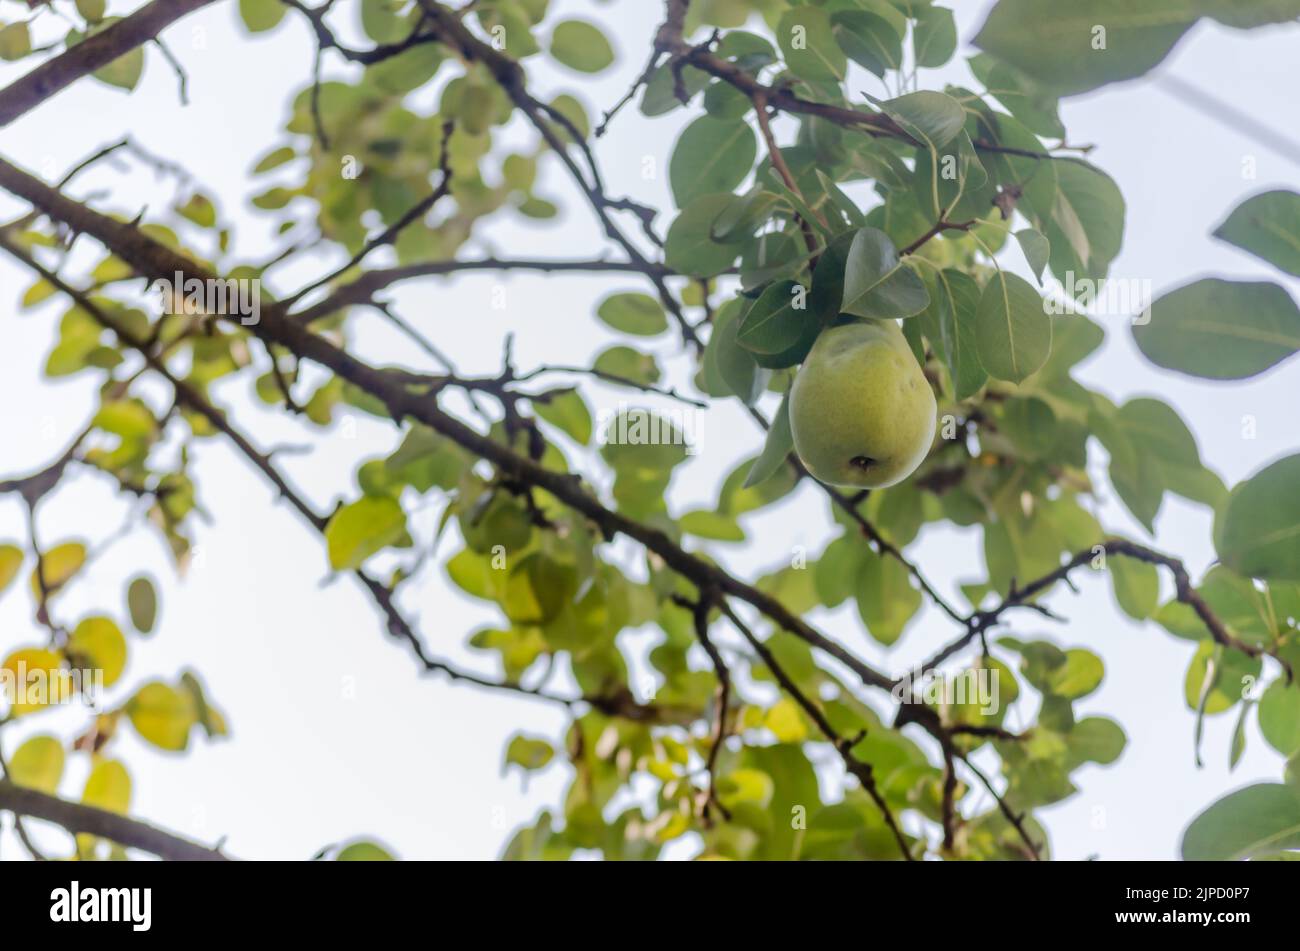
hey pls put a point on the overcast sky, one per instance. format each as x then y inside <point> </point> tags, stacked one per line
<point>335,734</point>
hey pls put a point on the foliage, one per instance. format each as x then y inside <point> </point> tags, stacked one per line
<point>872,209</point>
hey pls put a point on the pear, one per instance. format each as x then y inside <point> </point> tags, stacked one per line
<point>862,413</point>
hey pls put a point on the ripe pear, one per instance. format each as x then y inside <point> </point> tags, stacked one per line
<point>862,413</point>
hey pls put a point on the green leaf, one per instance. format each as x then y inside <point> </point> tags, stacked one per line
<point>407,71</point>
<point>1257,532</point>
<point>869,39</point>
<point>1013,332</point>
<point>660,94</point>
<point>743,215</point>
<point>885,596</point>
<point>724,101</point>
<point>933,118</point>
<point>363,852</point>
<point>528,753</point>
<point>1080,210</point>
<point>777,447</point>
<point>1137,586</point>
<point>38,764</point>
<point>1037,251</point>
<point>1025,98</point>
<point>1030,423</point>
<point>949,322</point>
<point>1279,716</point>
<point>951,183</point>
<point>1096,740</point>
<point>1268,226</point>
<point>877,283</point>
<point>261,15</point>
<point>15,41</point>
<point>628,364</point>
<point>729,369</point>
<point>630,313</point>
<point>92,11</point>
<point>808,45</point>
<point>1253,821</point>
<point>713,525</point>
<point>1156,427</point>
<point>567,411</point>
<point>358,530</point>
<point>580,45</point>
<point>1217,678</point>
<point>1221,330</point>
<point>123,72</point>
<point>1079,676</point>
<point>778,320</point>
<point>142,604</point>
<point>712,155</point>
<point>1084,44</point>
<point>383,22</point>
<point>934,37</point>
<point>690,247</point>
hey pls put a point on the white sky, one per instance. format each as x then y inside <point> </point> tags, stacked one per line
<point>415,762</point>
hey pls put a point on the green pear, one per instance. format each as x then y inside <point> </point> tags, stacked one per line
<point>861,411</point>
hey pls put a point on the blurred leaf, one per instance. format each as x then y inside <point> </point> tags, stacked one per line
<point>363,852</point>
<point>637,314</point>
<point>362,528</point>
<point>162,715</point>
<point>261,15</point>
<point>581,46</point>
<point>57,566</point>
<point>142,604</point>
<point>108,786</point>
<point>808,45</point>
<point>38,764</point>
<point>1267,226</point>
<point>1257,532</point>
<point>1221,330</point>
<point>528,753</point>
<point>711,155</point>
<point>1251,821</point>
<point>97,642</point>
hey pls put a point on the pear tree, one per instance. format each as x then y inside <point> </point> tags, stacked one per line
<point>867,283</point>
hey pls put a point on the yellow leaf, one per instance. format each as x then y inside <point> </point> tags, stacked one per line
<point>31,678</point>
<point>98,643</point>
<point>162,715</point>
<point>38,764</point>
<point>11,559</point>
<point>58,565</point>
<point>108,787</point>
<point>785,721</point>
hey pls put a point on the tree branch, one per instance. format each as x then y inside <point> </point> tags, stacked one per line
<point>90,54</point>
<point>843,746</point>
<point>76,818</point>
<point>153,260</point>
<point>619,705</point>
